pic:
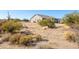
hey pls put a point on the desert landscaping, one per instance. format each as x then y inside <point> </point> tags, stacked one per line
<point>41,32</point>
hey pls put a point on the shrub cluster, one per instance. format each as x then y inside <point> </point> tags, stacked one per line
<point>47,22</point>
<point>22,39</point>
<point>72,18</point>
<point>72,36</point>
<point>11,26</point>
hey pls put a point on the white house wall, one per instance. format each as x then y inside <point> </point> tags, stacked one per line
<point>36,18</point>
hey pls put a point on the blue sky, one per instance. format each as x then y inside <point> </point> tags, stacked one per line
<point>29,13</point>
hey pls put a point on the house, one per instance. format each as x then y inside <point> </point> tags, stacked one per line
<point>39,17</point>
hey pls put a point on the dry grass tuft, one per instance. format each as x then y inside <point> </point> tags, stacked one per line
<point>70,36</point>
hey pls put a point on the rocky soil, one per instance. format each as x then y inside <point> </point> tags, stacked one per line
<point>54,37</point>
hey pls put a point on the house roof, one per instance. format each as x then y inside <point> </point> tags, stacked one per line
<point>43,16</point>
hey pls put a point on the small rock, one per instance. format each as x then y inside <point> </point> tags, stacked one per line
<point>45,27</point>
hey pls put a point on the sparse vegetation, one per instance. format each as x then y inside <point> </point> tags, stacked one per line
<point>38,38</point>
<point>14,39</point>
<point>11,26</point>
<point>72,20</point>
<point>23,33</point>
<point>26,40</point>
<point>70,36</point>
<point>46,22</point>
<point>22,39</point>
<point>29,39</point>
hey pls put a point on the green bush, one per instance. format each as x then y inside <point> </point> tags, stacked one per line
<point>20,38</point>
<point>43,23</point>
<point>72,18</point>
<point>37,38</point>
<point>29,39</point>
<point>11,26</point>
<point>26,39</point>
<point>46,22</point>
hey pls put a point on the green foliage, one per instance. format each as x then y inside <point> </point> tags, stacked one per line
<point>46,22</point>
<point>37,38</point>
<point>72,18</point>
<point>22,39</point>
<point>43,22</point>
<point>29,39</point>
<point>11,26</point>
<point>26,39</point>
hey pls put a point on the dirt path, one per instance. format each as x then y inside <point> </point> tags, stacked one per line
<point>54,36</point>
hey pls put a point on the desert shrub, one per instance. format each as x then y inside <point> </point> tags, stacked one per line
<point>70,36</point>
<point>72,18</point>
<point>38,38</point>
<point>46,22</point>
<point>4,37</point>
<point>22,39</point>
<point>43,23</point>
<point>14,39</point>
<point>51,24</point>
<point>26,39</point>
<point>29,39</point>
<point>11,26</point>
